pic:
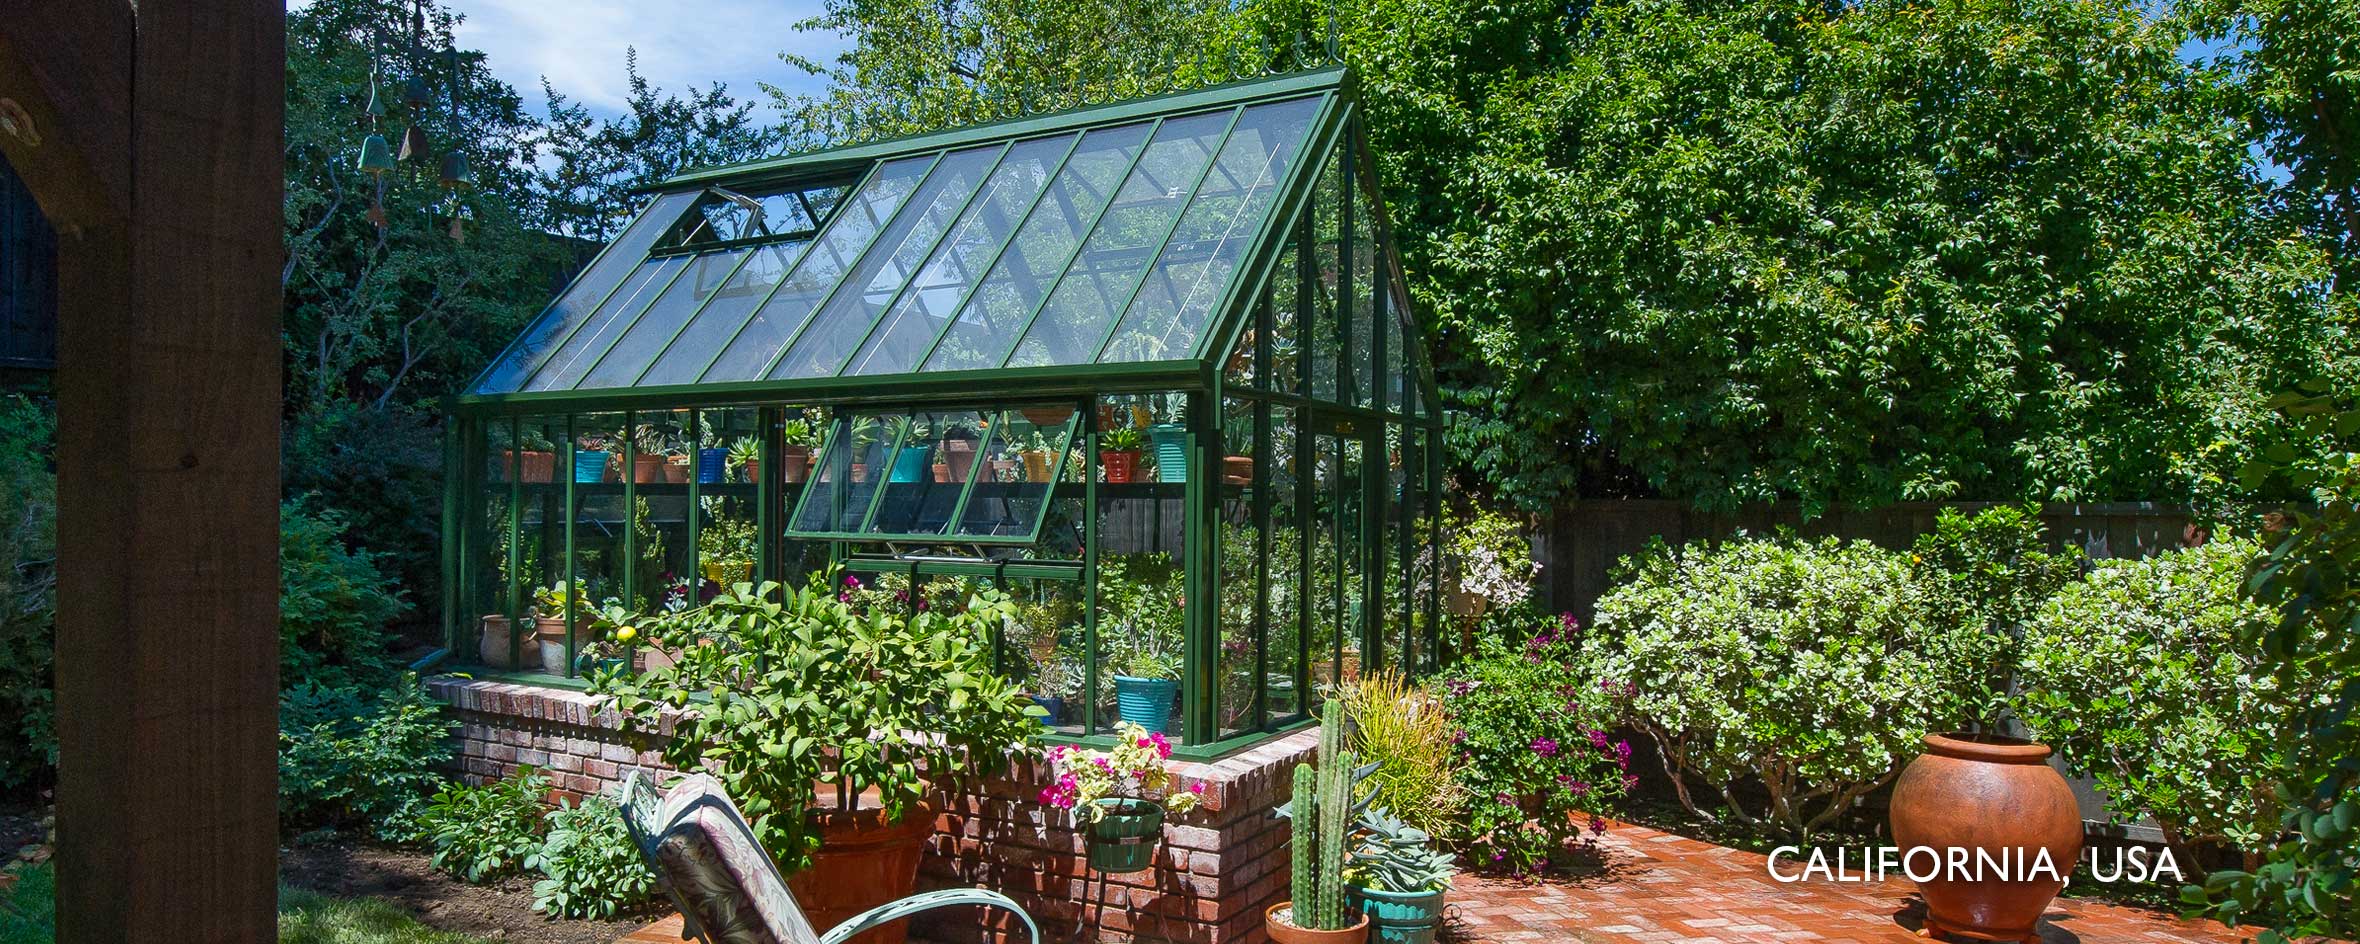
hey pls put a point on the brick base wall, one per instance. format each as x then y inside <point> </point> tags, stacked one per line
<point>1218,867</point>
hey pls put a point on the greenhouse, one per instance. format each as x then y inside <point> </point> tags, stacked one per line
<point>1148,367</point>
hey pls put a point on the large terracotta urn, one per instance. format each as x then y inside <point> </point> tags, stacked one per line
<point>1994,797</point>
<point>862,862</point>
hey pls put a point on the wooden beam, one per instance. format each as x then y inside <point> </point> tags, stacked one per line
<point>158,156</point>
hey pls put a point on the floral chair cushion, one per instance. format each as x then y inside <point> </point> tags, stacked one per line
<point>727,888</point>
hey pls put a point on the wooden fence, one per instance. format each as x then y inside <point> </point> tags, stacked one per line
<point>1579,544</point>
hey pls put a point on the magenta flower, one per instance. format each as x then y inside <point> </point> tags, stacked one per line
<point>1597,825</point>
<point>1598,739</point>
<point>1546,747</point>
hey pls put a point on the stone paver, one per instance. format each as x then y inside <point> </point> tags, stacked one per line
<point>1658,888</point>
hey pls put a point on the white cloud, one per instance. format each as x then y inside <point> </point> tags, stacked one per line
<point>579,45</point>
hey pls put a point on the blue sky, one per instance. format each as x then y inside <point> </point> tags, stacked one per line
<point>579,45</point>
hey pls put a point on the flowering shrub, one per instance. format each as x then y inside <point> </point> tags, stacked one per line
<point>1538,764</point>
<point>1813,667</point>
<point>2137,675</point>
<point>1133,770</point>
<point>1493,557</point>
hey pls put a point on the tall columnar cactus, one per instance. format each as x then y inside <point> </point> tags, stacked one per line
<point>1322,814</point>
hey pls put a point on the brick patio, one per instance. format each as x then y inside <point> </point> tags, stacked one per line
<point>1658,887</point>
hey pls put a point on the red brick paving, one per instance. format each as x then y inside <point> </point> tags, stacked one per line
<point>1656,887</point>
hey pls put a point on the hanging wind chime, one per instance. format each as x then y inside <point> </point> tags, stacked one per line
<point>378,157</point>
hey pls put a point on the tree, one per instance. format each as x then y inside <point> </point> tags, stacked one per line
<point>594,165</point>
<point>1740,250</point>
<point>2293,59</point>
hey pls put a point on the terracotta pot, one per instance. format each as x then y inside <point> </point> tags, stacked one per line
<point>1237,470</point>
<point>647,469</point>
<point>753,470</point>
<point>536,466</point>
<point>1121,466</point>
<point>676,470</point>
<point>1036,464</point>
<point>1003,470</point>
<point>862,862</point>
<point>1995,794</point>
<point>797,460</point>
<point>959,454</point>
<point>549,627</point>
<point>942,473</point>
<point>497,647</point>
<point>860,471</point>
<point>1284,933</point>
<point>1046,415</point>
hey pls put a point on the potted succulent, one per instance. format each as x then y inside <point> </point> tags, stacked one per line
<point>533,461</point>
<point>865,432</point>
<point>1115,790</point>
<point>796,454</point>
<point>915,692</point>
<point>1036,455</point>
<point>910,460</point>
<point>1003,466</point>
<point>590,459</point>
<point>746,455</point>
<point>1118,453</point>
<point>1320,819</point>
<point>712,459</point>
<point>1147,678</point>
<point>1398,879</point>
<point>651,453</point>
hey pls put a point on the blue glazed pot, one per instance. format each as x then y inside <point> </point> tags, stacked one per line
<point>1171,451</point>
<point>712,466</point>
<point>909,465</point>
<point>590,465</point>
<point>1052,704</point>
<point>1145,702</point>
<point>1399,917</point>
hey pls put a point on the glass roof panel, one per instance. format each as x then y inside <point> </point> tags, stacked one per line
<point>1073,323</point>
<point>706,273</point>
<point>574,357</point>
<point>887,265</point>
<point>988,323</point>
<point>758,342</point>
<point>583,298</point>
<point>686,356</point>
<point>917,317</point>
<point>1200,258</point>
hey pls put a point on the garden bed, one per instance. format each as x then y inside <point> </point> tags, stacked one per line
<point>344,868</point>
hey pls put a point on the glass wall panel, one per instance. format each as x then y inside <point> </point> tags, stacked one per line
<point>573,358</point>
<point>845,480</point>
<point>729,466</point>
<point>1238,662</point>
<point>929,473</point>
<point>1142,611</point>
<point>1105,274</point>
<point>687,355</point>
<point>924,308</point>
<point>1361,333</point>
<point>1019,472</point>
<point>1286,336</point>
<point>1044,647</point>
<point>1200,260</point>
<point>1283,683</point>
<point>879,274</point>
<point>1395,395</point>
<point>1327,263</point>
<point>758,342</point>
<point>1352,556</point>
<point>989,323</point>
<point>1241,366</point>
<point>585,296</point>
<point>1326,588</point>
<point>1391,554</point>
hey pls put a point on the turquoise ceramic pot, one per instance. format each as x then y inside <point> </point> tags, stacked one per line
<point>1171,451</point>
<point>1145,702</point>
<point>1399,917</point>
<point>590,465</point>
<point>909,465</point>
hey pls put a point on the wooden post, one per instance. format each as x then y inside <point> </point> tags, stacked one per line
<point>153,146</point>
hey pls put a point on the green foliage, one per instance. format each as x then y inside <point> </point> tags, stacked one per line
<point>1393,856</point>
<point>334,602</point>
<point>1320,823</point>
<point>592,868</point>
<point>28,591</point>
<point>310,918</point>
<point>351,756</point>
<point>1143,626</point>
<point>1991,570</point>
<point>2290,61</point>
<point>798,688</point>
<point>2308,877</point>
<point>2138,675</point>
<point>1408,733</point>
<point>28,911</point>
<point>1812,668</point>
<point>484,832</point>
<point>1538,766</point>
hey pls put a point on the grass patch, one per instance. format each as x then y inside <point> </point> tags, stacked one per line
<point>28,915</point>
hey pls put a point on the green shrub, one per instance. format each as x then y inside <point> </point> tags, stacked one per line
<point>1407,731</point>
<point>28,591</point>
<point>334,602</point>
<point>2138,676</point>
<point>28,908</point>
<point>350,756</point>
<point>482,833</point>
<point>1538,765</point>
<point>1812,668</point>
<point>592,868</point>
<point>1991,570</point>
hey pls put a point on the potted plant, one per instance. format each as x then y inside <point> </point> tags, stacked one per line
<point>1003,466</point>
<point>498,645</point>
<point>712,458</point>
<point>1118,453</point>
<point>1398,879</point>
<point>796,453</point>
<point>746,455</point>
<point>1320,822</point>
<point>864,431</point>
<point>910,460</point>
<point>533,461</point>
<point>611,649</point>
<point>1147,675</point>
<point>837,788</point>
<point>549,609</point>
<point>651,448</point>
<point>1115,790</point>
<point>1036,457</point>
<point>958,452</point>
<point>1171,451</point>
<point>590,459</point>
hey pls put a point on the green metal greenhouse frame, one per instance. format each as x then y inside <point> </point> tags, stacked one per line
<point>935,296</point>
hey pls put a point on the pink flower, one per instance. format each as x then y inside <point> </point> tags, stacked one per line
<point>1197,788</point>
<point>1546,747</point>
<point>1597,825</point>
<point>852,581</point>
<point>1598,739</point>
